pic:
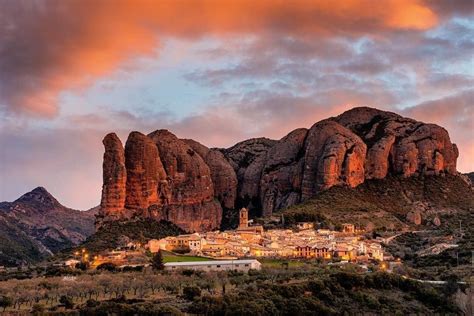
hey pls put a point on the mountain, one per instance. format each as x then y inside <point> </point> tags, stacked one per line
<point>162,177</point>
<point>36,225</point>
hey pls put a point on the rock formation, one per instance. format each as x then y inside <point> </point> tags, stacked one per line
<point>144,171</point>
<point>114,175</point>
<point>163,177</point>
<point>222,174</point>
<point>400,145</point>
<point>414,217</point>
<point>160,176</point>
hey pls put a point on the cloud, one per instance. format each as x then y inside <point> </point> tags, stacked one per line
<point>67,162</point>
<point>50,46</point>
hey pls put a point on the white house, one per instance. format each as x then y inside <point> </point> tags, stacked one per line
<point>215,265</point>
<point>71,263</point>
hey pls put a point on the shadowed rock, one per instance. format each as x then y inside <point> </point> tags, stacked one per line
<point>222,174</point>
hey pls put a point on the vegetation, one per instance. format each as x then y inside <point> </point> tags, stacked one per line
<point>191,292</point>
<point>5,302</point>
<point>113,234</point>
<point>157,261</point>
<point>107,266</point>
<point>303,290</point>
<point>456,261</point>
<point>171,257</point>
<point>16,246</point>
<point>384,203</point>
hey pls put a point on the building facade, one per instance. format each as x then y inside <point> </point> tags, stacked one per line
<point>215,265</point>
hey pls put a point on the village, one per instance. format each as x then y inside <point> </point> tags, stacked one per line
<point>250,241</point>
<point>253,241</point>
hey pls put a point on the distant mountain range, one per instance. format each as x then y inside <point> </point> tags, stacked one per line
<point>36,225</point>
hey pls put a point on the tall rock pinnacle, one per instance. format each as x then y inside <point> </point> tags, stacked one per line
<point>114,175</point>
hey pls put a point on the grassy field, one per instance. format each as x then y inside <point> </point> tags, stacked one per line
<point>171,257</point>
<point>279,263</point>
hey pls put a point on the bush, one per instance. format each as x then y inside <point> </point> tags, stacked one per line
<point>66,301</point>
<point>182,250</point>
<point>187,272</point>
<point>132,269</point>
<point>191,292</point>
<point>82,266</point>
<point>37,309</point>
<point>349,280</point>
<point>107,266</point>
<point>157,261</point>
<point>5,302</point>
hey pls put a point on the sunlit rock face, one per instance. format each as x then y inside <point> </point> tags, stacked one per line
<point>399,145</point>
<point>333,156</point>
<point>144,171</point>
<point>160,176</point>
<point>114,175</point>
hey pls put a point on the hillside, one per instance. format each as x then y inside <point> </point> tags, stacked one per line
<point>36,226</point>
<point>442,202</point>
<point>385,204</point>
<point>115,234</point>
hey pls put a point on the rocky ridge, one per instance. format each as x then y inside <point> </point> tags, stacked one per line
<point>36,225</point>
<point>163,177</point>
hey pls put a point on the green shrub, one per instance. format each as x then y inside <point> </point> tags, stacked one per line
<point>107,266</point>
<point>191,292</point>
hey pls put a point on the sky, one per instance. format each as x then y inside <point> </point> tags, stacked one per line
<point>217,71</point>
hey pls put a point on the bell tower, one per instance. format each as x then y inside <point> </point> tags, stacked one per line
<point>243,218</point>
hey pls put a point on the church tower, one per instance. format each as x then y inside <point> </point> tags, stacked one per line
<point>243,218</point>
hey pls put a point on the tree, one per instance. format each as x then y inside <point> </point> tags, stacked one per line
<point>82,266</point>
<point>37,309</point>
<point>190,292</point>
<point>451,286</point>
<point>157,261</point>
<point>66,301</point>
<point>5,302</point>
<point>109,266</point>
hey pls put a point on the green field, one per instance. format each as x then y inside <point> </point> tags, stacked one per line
<point>171,257</point>
<point>279,263</point>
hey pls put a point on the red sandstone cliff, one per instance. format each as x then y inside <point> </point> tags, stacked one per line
<point>162,177</point>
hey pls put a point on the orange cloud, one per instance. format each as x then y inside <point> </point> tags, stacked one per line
<point>51,46</point>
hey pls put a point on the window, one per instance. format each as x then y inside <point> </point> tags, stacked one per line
<point>218,265</point>
<point>246,264</point>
